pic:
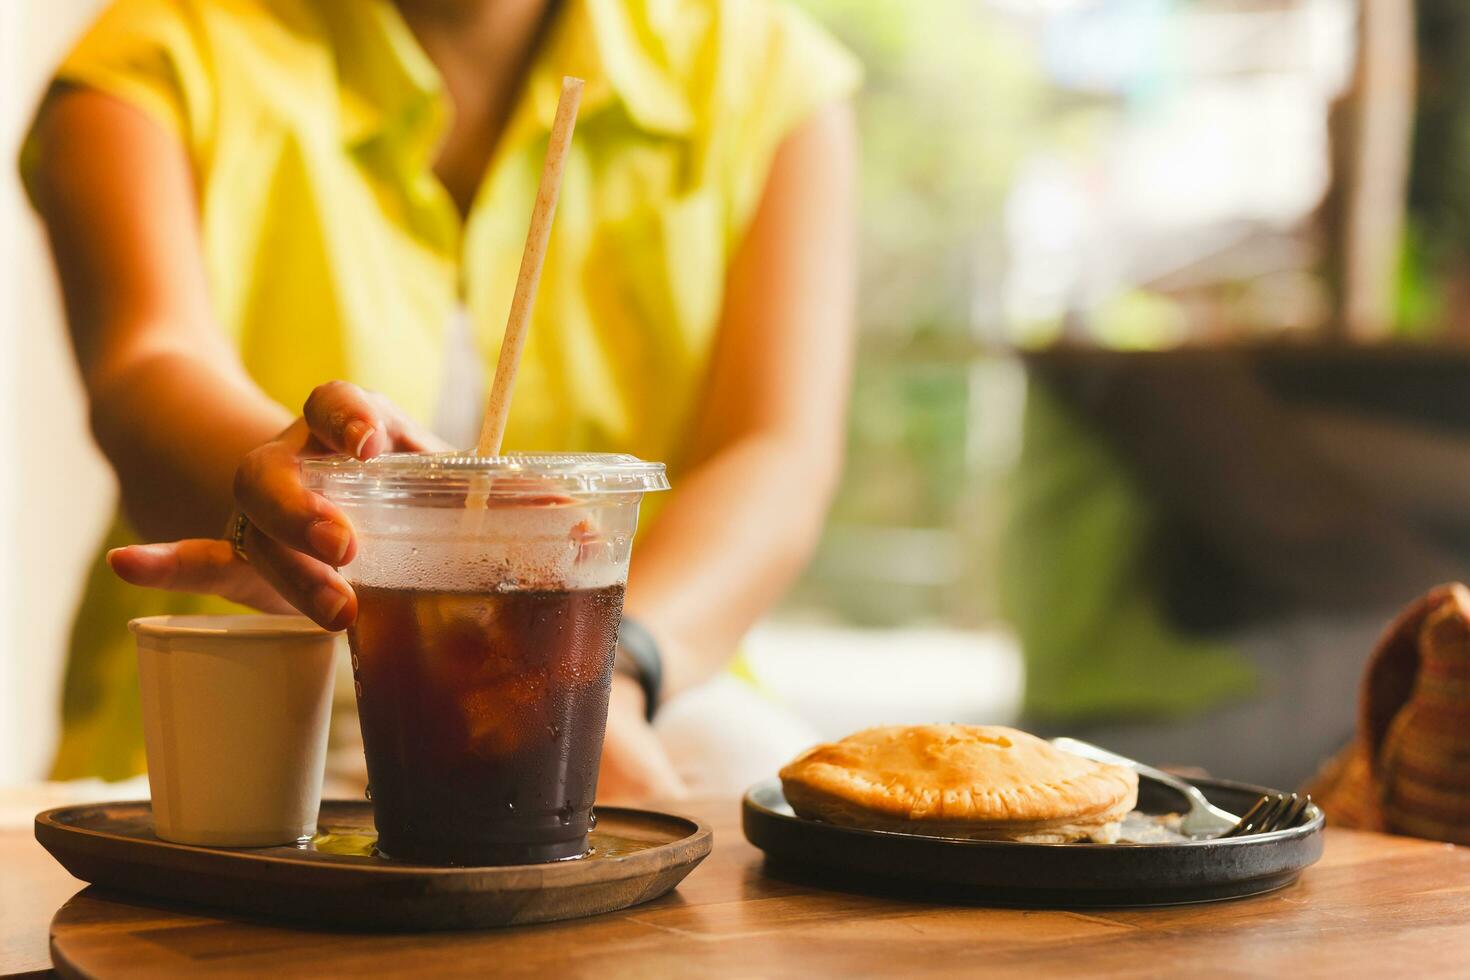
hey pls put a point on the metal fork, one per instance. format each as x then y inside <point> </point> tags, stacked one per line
<point>1277,811</point>
<point>1204,819</point>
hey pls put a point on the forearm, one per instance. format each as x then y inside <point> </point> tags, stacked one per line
<point>174,426</point>
<point>736,533</point>
<point>766,448</point>
<point>171,406</point>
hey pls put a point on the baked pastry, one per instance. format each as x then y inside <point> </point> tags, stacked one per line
<point>981,782</point>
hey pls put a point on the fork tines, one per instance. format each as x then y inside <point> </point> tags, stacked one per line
<point>1277,811</point>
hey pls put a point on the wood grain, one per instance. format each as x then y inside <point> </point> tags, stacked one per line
<point>32,887</point>
<point>338,882</point>
<point>1374,905</point>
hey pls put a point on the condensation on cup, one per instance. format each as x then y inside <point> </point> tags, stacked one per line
<point>490,591</point>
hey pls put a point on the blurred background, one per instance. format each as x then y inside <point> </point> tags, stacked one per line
<point>1163,396</point>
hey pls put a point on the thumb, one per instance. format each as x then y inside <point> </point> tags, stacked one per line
<point>200,565</point>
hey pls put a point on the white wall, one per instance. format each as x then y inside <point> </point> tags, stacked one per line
<point>55,491</point>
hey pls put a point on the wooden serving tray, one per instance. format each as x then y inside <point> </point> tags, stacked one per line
<point>338,882</point>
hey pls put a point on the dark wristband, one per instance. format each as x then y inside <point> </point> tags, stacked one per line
<point>638,657</point>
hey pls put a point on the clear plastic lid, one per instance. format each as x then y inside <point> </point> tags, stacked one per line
<point>514,474</point>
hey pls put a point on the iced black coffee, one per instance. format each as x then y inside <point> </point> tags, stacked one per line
<point>489,597</point>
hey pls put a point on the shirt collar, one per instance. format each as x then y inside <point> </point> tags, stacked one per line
<point>386,83</point>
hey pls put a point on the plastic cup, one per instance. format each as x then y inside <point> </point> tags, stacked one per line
<point>235,717</point>
<point>490,592</point>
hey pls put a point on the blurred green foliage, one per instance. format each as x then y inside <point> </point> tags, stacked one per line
<point>908,426</point>
<point>1437,243</point>
<point>950,99</point>
<point>955,98</point>
<point>951,95</point>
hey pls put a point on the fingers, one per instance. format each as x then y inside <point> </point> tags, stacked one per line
<point>311,586</point>
<point>296,538</point>
<point>275,580</point>
<point>196,565</point>
<point>269,491</point>
<point>347,419</point>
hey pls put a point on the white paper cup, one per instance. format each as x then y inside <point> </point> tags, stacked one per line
<point>235,718</point>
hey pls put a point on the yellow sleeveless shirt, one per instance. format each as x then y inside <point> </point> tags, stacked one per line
<point>332,251</point>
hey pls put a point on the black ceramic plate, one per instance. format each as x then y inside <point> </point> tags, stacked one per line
<point>1039,875</point>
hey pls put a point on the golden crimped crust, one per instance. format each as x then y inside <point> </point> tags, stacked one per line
<point>973,781</point>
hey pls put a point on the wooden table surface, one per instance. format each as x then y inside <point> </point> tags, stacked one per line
<point>1373,905</point>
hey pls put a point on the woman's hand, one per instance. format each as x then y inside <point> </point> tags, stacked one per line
<point>294,539</point>
<point>635,767</point>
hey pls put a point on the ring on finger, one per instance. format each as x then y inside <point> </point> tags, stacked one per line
<point>239,524</point>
